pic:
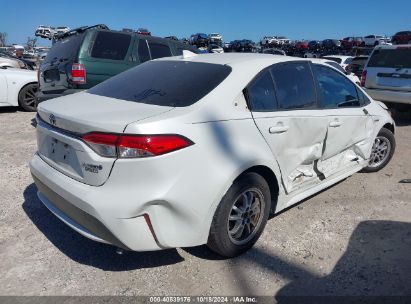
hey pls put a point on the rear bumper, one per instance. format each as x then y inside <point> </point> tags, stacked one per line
<point>75,204</point>
<point>390,96</point>
<point>40,97</point>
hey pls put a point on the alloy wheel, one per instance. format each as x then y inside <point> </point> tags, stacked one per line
<point>245,216</point>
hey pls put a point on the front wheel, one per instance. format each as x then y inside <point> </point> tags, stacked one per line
<point>241,216</point>
<point>382,151</point>
<point>27,97</point>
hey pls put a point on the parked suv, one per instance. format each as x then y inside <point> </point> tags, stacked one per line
<point>86,56</point>
<point>402,38</point>
<point>387,74</point>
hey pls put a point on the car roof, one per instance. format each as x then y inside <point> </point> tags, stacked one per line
<point>236,59</point>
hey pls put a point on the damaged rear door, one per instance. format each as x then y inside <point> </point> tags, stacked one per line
<point>284,107</point>
<point>349,126</point>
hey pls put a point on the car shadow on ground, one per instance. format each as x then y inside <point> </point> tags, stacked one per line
<point>9,110</point>
<point>377,262</point>
<point>85,251</point>
<point>402,118</point>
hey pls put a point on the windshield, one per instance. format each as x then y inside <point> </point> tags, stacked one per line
<point>164,83</point>
<point>391,58</point>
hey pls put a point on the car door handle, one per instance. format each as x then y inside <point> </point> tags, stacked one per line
<point>335,124</point>
<point>278,129</point>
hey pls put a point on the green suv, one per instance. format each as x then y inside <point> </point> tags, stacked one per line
<point>84,57</point>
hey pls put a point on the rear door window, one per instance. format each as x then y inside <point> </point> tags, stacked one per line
<point>399,57</point>
<point>294,85</point>
<point>159,50</point>
<point>164,83</point>
<point>334,89</point>
<point>261,93</point>
<point>109,45</point>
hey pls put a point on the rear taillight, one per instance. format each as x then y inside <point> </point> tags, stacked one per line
<point>134,146</point>
<point>363,78</point>
<point>78,73</point>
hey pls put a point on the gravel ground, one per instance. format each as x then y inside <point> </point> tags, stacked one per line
<point>352,239</point>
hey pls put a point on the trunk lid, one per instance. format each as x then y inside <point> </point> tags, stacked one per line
<point>62,122</point>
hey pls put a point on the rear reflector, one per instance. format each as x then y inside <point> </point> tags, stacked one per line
<point>135,146</point>
<point>78,73</point>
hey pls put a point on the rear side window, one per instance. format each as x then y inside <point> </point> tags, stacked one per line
<point>261,94</point>
<point>391,58</point>
<point>158,50</point>
<point>164,83</point>
<point>143,53</point>
<point>294,85</point>
<point>335,90</point>
<point>108,45</point>
<point>66,48</point>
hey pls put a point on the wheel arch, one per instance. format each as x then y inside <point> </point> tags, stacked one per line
<point>271,180</point>
<point>22,87</point>
<point>390,127</point>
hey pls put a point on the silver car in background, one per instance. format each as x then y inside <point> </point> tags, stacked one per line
<point>387,74</point>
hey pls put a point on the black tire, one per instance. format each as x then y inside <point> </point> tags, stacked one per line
<point>27,97</point>
<point>219,239</point>
<point>383,134</point>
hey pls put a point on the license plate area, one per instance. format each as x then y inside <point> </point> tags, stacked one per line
<point>59,154</point>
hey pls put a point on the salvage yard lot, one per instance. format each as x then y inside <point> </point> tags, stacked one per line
<point>352,239</point>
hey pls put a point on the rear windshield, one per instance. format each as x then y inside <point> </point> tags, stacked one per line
<point>391,58</point>
<point>164,83</point>
<point>64,49</point>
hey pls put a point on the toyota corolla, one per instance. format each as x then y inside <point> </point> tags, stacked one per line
<point>199,149</point>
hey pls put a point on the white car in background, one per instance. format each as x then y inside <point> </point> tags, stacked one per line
<point>373,40</point>
<point>18,88</point>
<point>62,29</point>
<point>215,37</point>
<point>214,48</point>
<point>343,61</point>
<point>354,78</point>
<point>199,149</point>
<point>283,40</point>
<point>387,74</point>
<point>269,40</point>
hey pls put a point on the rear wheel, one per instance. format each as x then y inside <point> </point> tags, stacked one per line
<point>382,151</point>
<point>241,216</point>
<point>27,97</point>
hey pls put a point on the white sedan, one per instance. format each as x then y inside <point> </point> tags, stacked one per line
<point>199,149</point>
<point>354,78</point>
<point>344,61</point>
<point>18,87</point>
